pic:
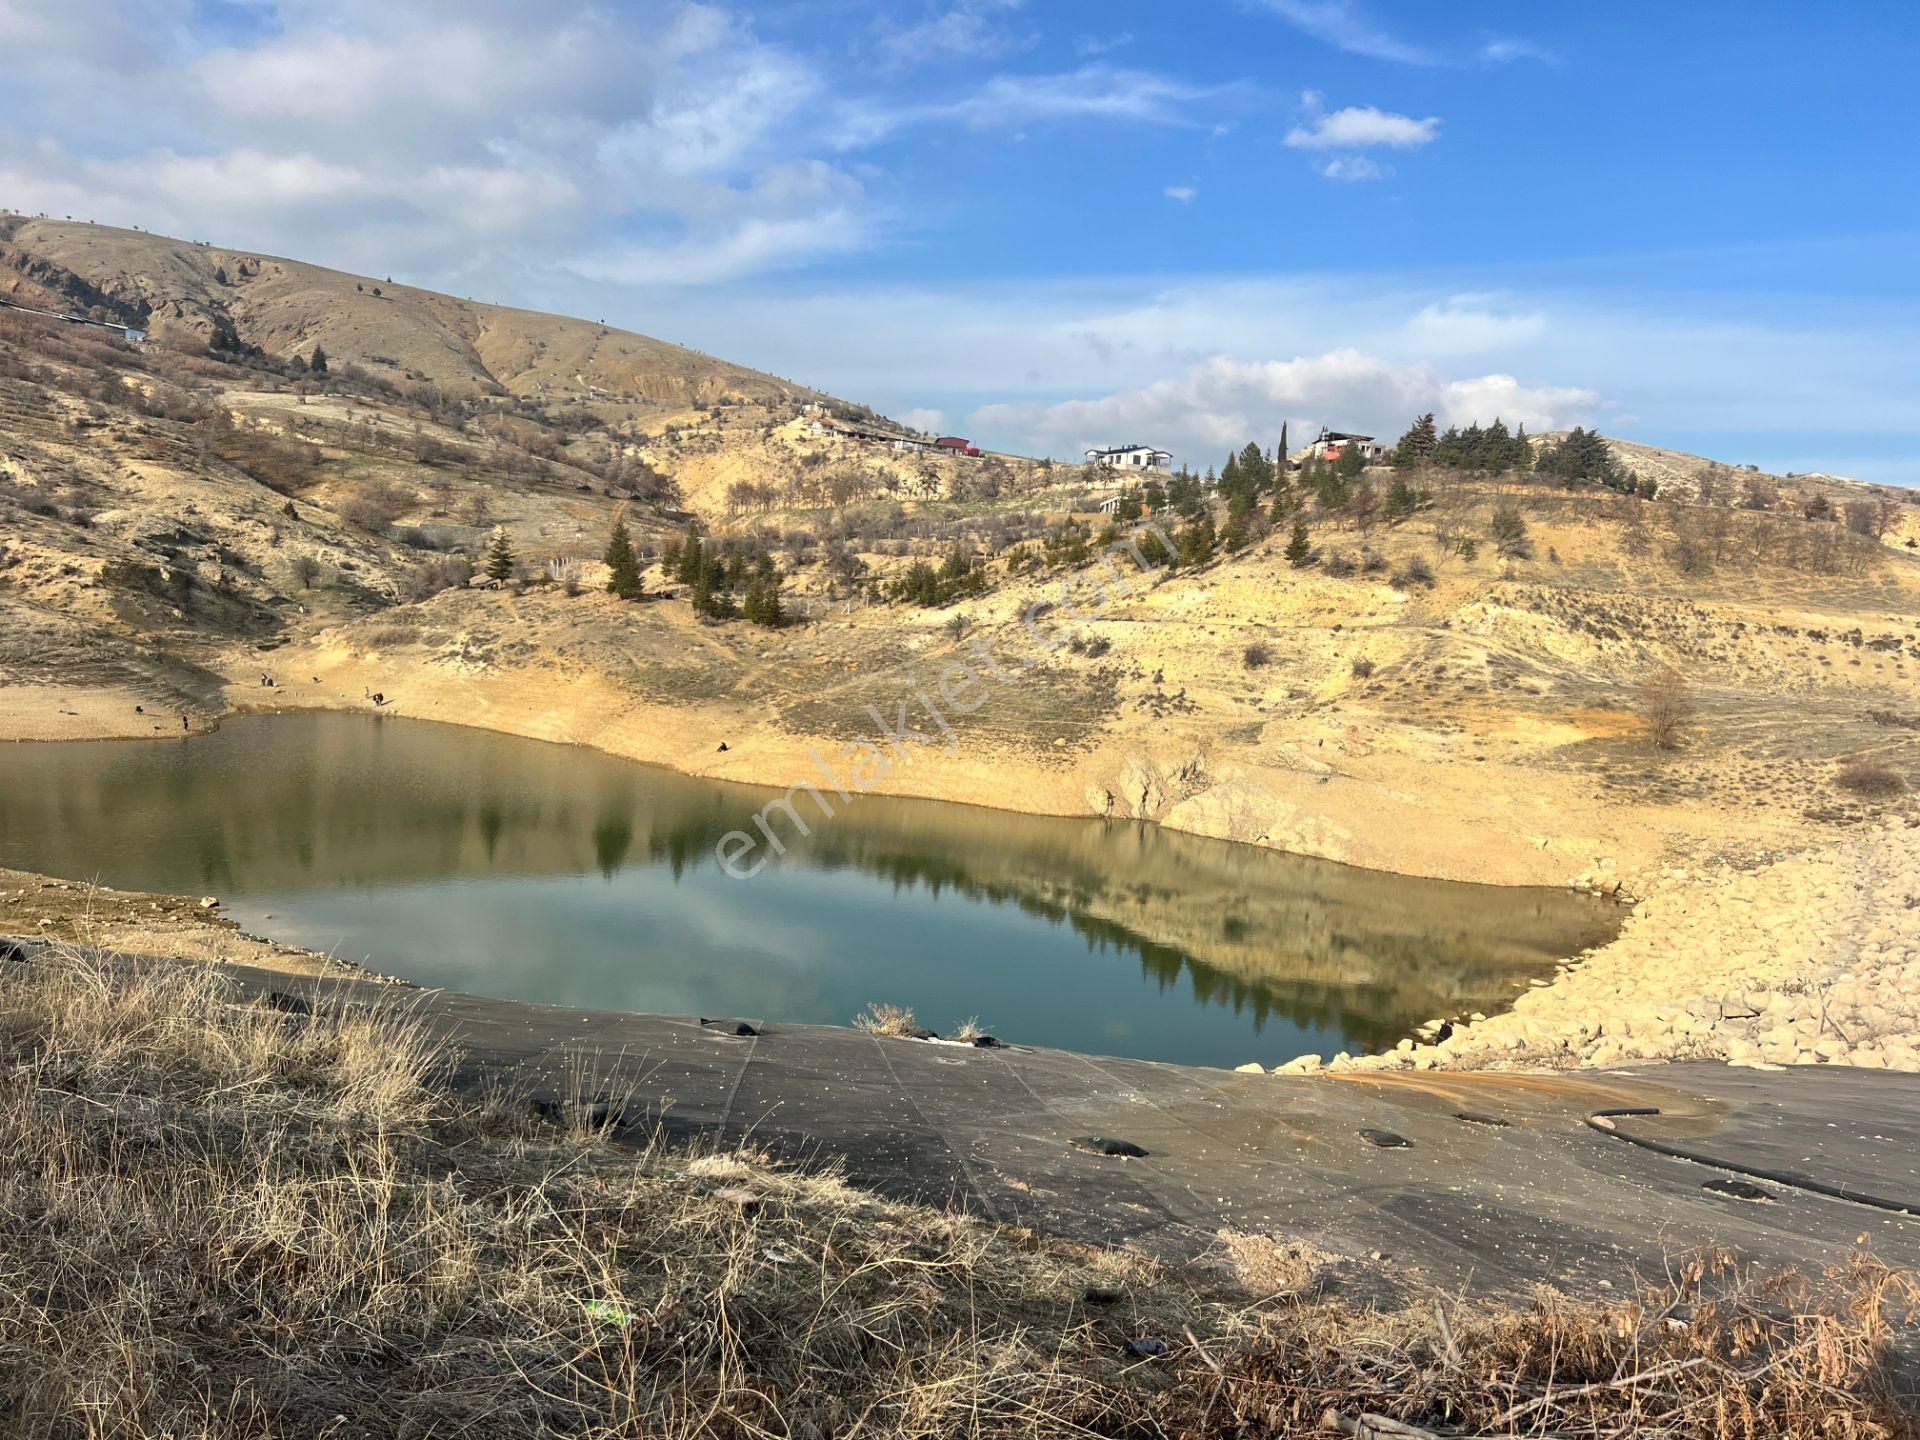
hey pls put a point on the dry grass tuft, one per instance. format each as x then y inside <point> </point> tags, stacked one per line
<point>1869,779</point>
<point>223,1219</point>
<point>1712,1350</point>
<point>894,1020</point>
<point>1265,1266</point>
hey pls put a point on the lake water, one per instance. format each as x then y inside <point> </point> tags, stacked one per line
<point>514,868</point>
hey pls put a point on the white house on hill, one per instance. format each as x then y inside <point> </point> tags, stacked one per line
<point>1131,457</point>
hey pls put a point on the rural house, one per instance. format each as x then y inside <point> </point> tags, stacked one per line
<point>1131,457</point>
<point>1331,444</point>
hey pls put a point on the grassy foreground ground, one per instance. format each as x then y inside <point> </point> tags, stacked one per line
<point>228,1219</point>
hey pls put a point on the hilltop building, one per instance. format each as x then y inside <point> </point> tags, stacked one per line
<point>1332,444</point>
<point>869,434</point>
<point>1131,457</point>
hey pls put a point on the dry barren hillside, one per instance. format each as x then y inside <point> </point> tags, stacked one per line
<point>734,440</point>
<point>1681,476</point>
<point>188,292</point>
<point>1425,693</point>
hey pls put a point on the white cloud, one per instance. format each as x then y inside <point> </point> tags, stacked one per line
<point>1224,401</point>
<point>1340,23</point>
<point>786,217</point>
<point>1353,168</point>
<point>965,32</point>
<point>751,247</point>
<point>1359,127</point>
<point>1093,92</point>
<point>1183,193</point>
<point>443,138</point>
<point>1504,51</point>
<point>1344,25</point>
<point>1092,45</point>
<point>1467,324</point>
<point>932,422</point>
<point>700,128</point>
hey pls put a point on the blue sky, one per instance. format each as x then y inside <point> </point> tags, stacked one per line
<point>1052,223</point>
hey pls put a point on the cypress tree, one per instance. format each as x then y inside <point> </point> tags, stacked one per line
<point>623,578</point>
<point>1280,462</point>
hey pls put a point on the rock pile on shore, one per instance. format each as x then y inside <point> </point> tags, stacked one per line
<point>1811,958</point>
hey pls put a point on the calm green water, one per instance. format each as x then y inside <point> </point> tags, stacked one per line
<point>514,868</point>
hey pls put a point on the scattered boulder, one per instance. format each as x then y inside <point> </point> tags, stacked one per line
<point>1104,1145</point>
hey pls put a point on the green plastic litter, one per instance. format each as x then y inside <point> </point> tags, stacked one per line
<point>607,1312</point>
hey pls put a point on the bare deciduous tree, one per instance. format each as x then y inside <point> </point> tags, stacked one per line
<point>1665,702</point>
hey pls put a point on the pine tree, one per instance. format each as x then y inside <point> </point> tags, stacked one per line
<point>1509,531</point>
<point>1400,501</point>
<point>1417,446</point>
<point>319,362</point>
<point>1230,478</point>
<point>500,557</point>
<point>1239,527</point>
<point>1197,542</point>
<point>1333,487</point>
<point>623,578</point>
<point>762,605</point>
<point>1496,447</point>
<point>693,563</point>
<point>702,582</point>
<point>1255,472</point>
<point>1299,547</point>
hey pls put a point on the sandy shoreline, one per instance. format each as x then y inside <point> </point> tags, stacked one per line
<point>1807,958</point>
